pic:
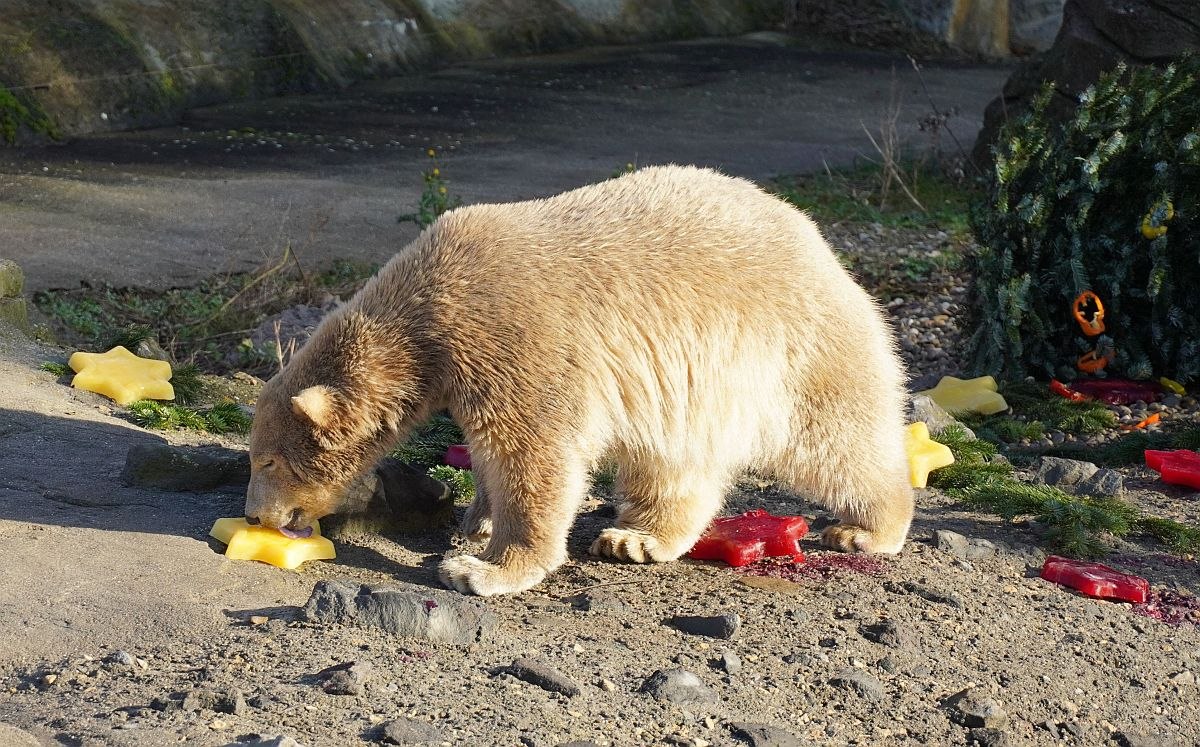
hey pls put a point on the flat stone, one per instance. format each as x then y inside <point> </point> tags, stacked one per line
<point>988,737</point>
<point>405,731</point>
<point>543,675</point>
<point>12,280</point>
<point>122,658</point>
<point>226,700</point>
<point>723,626</point>
<point>762,735</point>
<point>407,611</point>
<point>865,685</point>
<point>979,549</point>
<point>346,679</point>
<point>1105,482</point>
<point>730,663</point>
<point>951,542</point>
<point>1063,472</point>
<point>185,468</point>
<point>976,710</point>
<point>678,686</point>
<point>887,633</point>
<point>934,416</point>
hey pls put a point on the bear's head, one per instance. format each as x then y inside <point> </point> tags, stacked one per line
<point>334,410</point>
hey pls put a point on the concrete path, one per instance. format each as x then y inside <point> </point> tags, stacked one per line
<point>167,207</point>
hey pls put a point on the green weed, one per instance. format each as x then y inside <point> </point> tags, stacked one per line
<point>435,197</point>
<point>226,417</point>
<point>461,481</point>
<point>58,369</point>
<point>856,196</point>
<point>1074,525</point>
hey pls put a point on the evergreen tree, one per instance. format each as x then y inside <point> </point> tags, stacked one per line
<point>1107,202</point>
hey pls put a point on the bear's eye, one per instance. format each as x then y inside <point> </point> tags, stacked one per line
<point>266,463</point>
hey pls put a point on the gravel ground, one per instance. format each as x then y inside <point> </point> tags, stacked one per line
<point>935,646</point>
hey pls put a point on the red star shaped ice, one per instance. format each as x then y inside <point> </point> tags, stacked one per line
<point>741,540</point>
<point>1180,467</point>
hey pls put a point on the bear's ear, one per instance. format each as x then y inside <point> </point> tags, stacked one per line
<point>315,404</point>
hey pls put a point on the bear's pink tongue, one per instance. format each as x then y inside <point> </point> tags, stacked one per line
<point>296,533</point>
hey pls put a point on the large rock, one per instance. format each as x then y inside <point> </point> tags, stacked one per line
<point>407,611</point>
<point>394,497</point>
<point>1095,36</point>
<point>678,686</point>
<point>185,468</point>
<point>976,710</point>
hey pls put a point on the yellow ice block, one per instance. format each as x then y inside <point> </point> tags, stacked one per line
<point>970,395</point>
<point>122,376</point>
<point>246,542</point>
<point>924,454</point>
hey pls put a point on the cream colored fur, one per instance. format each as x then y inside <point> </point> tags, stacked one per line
<point>683,323</point>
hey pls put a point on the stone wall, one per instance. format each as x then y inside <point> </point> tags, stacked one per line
<point>1095,36</point>
<point>986,28</point>
<point>72,66</point>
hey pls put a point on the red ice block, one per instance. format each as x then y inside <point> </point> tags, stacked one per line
<point>1096,580</point>
<point>1117,391</point>
<point>458,456</point>
<point>1181,467</point>
<point>741,540</point>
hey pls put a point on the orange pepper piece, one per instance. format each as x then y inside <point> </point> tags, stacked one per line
<point>1095,324</point>
<point>1092,362</point>
<point>1151,420</point>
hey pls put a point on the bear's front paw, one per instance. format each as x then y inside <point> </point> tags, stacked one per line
<point>850,538</point>
<point>470,575</point>
<point>632,545</point>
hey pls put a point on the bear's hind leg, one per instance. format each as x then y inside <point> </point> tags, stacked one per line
<point>663,512</point>
<point>533,503</point>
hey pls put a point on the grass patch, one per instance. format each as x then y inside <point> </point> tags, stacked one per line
<point>58,369</point>
<point>859,195</point>
<point>1074,525</point>
<point>461,481</point>
<point>204,324</point>
<point>1035,411</point>
<point>226,417</point>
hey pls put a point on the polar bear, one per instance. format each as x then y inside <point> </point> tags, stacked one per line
<point>685,324</point>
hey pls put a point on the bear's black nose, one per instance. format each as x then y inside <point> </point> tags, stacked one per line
<point>252,520</point>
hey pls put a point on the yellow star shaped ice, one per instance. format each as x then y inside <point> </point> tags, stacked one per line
<point>970,395</point>
<point>246,542</point>
<point>122,376</point>
<point>924,454</point>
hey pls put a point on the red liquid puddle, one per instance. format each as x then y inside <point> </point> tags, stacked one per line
<point>1171,608</point>
<point>817,567</point>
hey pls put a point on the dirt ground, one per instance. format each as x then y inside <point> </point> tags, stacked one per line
<point>122,624</point>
